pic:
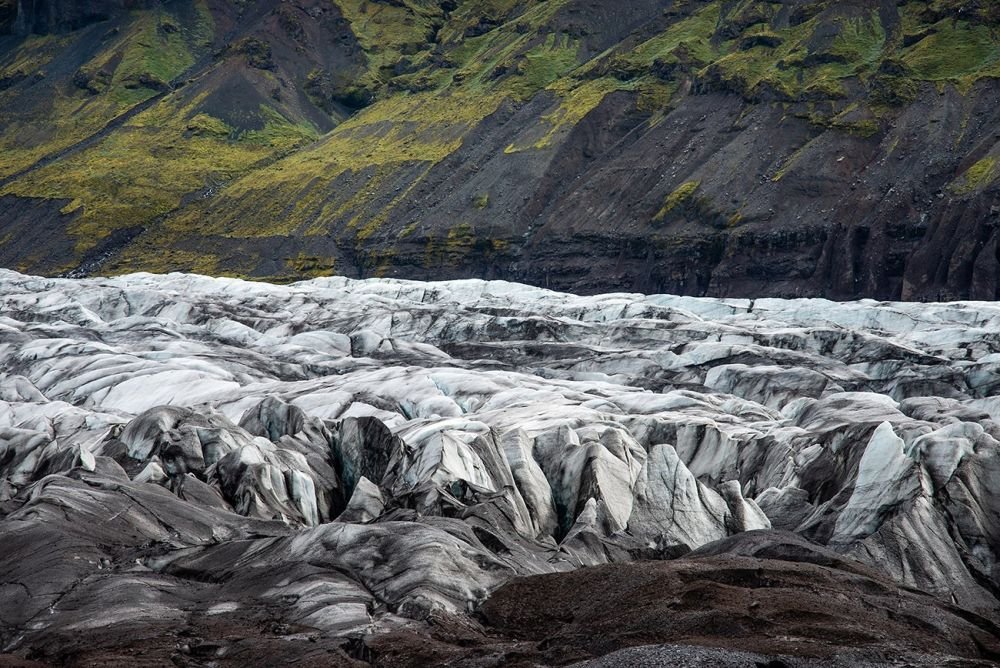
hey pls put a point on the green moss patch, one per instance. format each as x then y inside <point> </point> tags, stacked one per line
<point>954,50</point>
<point>679,196</point>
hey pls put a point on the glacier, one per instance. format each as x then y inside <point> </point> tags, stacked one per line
<point>362,458</point>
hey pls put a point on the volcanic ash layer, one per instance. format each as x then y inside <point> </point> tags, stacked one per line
<point>210,472</point>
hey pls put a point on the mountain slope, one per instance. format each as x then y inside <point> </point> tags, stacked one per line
<point>735,148</point>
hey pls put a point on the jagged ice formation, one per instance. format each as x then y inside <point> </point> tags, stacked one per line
<point>360,457</point>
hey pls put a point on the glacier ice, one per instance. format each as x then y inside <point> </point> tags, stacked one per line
<point>379,450</point>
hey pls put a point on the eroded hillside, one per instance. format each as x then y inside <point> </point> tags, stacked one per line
<point>733,148</point>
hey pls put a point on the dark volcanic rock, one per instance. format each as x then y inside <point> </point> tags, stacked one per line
<point>776,605</point>
<point>784,609</point>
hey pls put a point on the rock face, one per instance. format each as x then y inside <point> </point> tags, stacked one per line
<point>217,470</point>
<point>744,149</point>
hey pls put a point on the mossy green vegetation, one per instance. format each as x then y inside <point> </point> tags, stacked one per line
<point>162,260</point>
<point>152,54</point>
<point>390,34</point>
<point>688,40</point>
<point>459,242</point>
<point>387,138</point>
<point>153,48</point>
<point>32,56</point>
<point>797,65</point>
<point>680,195</point>
<point>460,238</point>
<point>958,51</point>
<point>979,175</point>
<point>541,65</point>
<point>374,223</point>
<point>409,230</point>
<point>860,41</point>
<point>310,266</point>
<point>576,100</point>
<point>146,168</point>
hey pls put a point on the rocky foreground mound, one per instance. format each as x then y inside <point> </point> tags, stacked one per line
<point>210,471</point>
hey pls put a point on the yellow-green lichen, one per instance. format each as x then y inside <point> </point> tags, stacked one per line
<point>681,194</point>
<point>144,170</point>
<point>304,265</point>
<point>976,177</point>
<point>408,230</point>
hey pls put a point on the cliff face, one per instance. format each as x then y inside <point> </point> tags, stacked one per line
<point>843,149</point>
